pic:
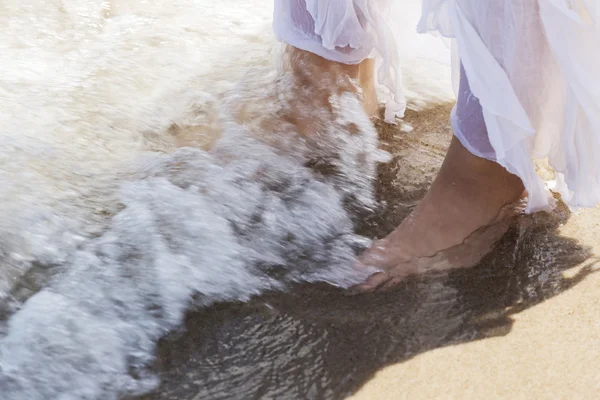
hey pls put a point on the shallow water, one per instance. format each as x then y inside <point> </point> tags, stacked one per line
<point>110,230</point>
<point>320,343</point>
<point>113,236</point>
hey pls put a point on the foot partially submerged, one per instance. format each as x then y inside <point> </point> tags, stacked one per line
<point>469,207</point>
<point>319,73</point>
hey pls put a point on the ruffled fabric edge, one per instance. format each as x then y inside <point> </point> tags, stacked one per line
<point>510,131</point>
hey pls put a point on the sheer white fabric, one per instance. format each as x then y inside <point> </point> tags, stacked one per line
<point>534,66</point>
<point>346,31</point>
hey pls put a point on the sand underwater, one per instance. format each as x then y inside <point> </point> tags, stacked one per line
<point>105,232</point>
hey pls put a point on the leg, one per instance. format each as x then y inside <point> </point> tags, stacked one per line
<point>459,215</point>
<point>324,77</point>
<point>366,80</point>
<point>336,22</point>
<point>362,73</point>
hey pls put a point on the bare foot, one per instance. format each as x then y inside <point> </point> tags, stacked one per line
<point>467,209</point>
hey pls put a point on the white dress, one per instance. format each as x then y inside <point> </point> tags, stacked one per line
<point>533,69</point>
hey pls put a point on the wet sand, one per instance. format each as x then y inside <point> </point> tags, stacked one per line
<point>547,351</point>
<point>522,324</point>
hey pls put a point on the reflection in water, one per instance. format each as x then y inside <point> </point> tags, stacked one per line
<point>317,342</point>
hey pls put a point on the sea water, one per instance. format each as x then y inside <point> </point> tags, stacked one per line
<point>131,190</point>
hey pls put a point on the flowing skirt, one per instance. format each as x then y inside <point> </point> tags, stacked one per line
<point>530,77</point>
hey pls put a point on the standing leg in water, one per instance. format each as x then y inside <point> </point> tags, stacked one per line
<point>468,195</point>
<point>366,81</point>
<point>344,36</point>
<point>312,68</point>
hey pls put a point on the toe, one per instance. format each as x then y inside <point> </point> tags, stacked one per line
<point>373,283</point>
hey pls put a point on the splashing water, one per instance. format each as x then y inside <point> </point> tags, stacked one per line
<point>193,227</point>
<point>110,230</point>
<point>109,233</point>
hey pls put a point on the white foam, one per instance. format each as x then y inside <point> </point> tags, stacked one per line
<point>107,232</point>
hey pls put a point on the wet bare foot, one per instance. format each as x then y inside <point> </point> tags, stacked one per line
<point>467,209</point>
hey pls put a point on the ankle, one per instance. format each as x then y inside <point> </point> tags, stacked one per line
<point>469,173</point>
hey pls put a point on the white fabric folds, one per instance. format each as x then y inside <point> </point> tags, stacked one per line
<point>534,66</point>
